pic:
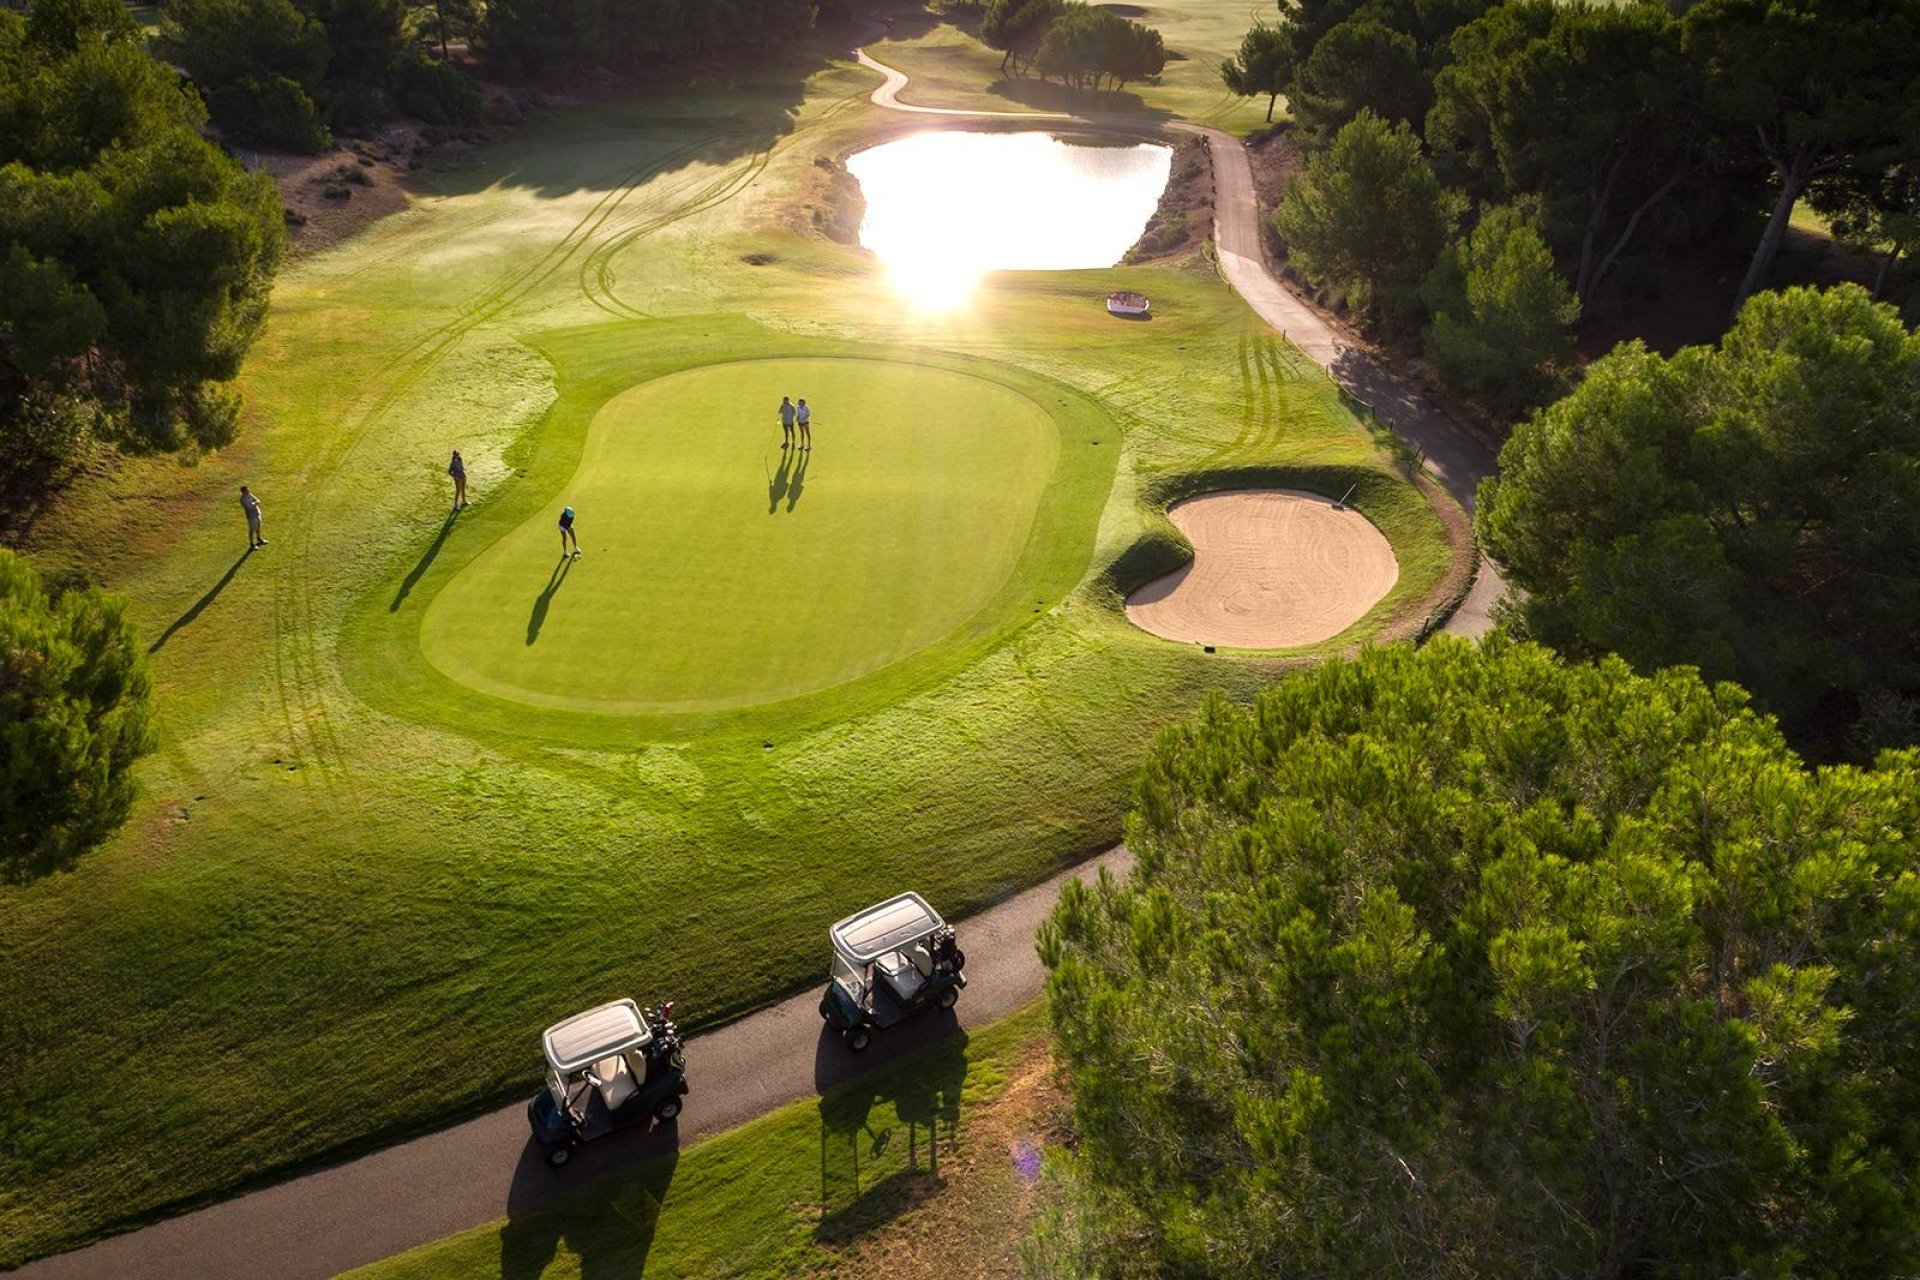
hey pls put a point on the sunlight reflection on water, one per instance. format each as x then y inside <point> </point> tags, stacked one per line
<point>945,207</point>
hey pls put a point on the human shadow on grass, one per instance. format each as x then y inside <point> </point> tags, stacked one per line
<point>439,540</point>
<point>799,480</point>
<point>874,1168</point>
<point>200,605</point>
<point>777,482</point>
<point>604,1205</point>
<point>538,618</point>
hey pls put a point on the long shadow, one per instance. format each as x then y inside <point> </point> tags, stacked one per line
<point>678,117</point>
<point>538,618</point>
<point>777,482</point>
<point>799,480</point>
<point>874,1166</point>
<point>440,540</point>
<point>200,605</point>
<point>604,1205</point>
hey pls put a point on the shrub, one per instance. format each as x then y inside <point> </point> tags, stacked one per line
<point>74,717</point>
<point>439,92</point>
<point>273,112</point>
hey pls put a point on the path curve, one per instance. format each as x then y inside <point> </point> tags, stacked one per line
<point>321,1223</point>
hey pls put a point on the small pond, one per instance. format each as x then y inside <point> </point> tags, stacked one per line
<point>945,206</point>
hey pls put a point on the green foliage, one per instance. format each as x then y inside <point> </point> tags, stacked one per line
<point>261,64</point>
<point>536,35</point>
<point>1016,28</point>
<point>1753,509</point>
<point>1263,65</point>
<point>1461,962</point>
<point>135,257</point>
<point>1501,314</point>
<point>1366,220</point>
<point>438,92</point>
<point>1360,65</point>
<point>1812,87</point>
<point>1084,46</point>
<point>1591,110</point>
<point>73,719</point>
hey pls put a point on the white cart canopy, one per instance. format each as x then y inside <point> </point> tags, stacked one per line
<point>867,935</point>
<point>585,1038</point>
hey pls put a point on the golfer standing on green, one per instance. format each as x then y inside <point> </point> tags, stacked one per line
<point>566,533</point>
<point>805,417</point>
<point>786,423</point>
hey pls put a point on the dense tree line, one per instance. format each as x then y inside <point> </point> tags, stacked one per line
<point>74,717</point>
<point>1751,509</point>
<point>1082,46</point>
<point>1625,130</point>
<point>135,258</point>
<point>1463,962</point>
<point>277,73</point>
<point>529,36</point>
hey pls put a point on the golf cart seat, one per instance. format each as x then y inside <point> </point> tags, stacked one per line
<point>901,973</point>
<point>616,1081</point>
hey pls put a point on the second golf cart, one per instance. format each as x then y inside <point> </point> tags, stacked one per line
<point>890,962</point>
<point>607,1068</point>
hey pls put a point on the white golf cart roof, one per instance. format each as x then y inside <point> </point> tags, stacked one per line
<point>585,1038</point>
<point>865,936</point>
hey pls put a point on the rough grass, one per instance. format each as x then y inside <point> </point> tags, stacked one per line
<point>354,889</point>
<point>793,1193</point>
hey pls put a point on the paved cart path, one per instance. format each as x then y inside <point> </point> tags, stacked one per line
<point>347,1215</point>
<point>325,1222</point>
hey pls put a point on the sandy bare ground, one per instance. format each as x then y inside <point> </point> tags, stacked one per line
<point>1272,569</point>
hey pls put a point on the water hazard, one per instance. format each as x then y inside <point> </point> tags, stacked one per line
<point>945,207</point>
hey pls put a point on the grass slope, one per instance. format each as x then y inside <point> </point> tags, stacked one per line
<point>782,1196</point>
<point>354,886</point>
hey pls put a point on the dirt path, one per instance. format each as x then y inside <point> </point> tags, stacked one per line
<point>345,1216</point>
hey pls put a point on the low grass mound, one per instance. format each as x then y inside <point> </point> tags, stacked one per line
<point>721,569</point>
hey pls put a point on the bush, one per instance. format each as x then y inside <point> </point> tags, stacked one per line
<point>274,112</point>
<point>439,93</point>
<point>1501,315</point>
<point>74,717</point>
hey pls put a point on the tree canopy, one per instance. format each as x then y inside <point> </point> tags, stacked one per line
<point>1261,66</point>
<point>1751,508</point>
<point>1464,962</point>
<point>135,258</point>
<point>1501,314</point>
<point>1366,220</point>
<point>73,718</point>
<point>542,35</point>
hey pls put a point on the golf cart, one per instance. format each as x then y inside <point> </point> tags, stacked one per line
<point>890,962</point>
<point>607,1068</point>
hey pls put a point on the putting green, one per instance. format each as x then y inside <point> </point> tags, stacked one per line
<point>719,571</point>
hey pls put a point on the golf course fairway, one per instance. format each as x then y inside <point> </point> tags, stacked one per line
<point>721,569</point>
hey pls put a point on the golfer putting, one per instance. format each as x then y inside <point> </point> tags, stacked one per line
<point>567,534</point>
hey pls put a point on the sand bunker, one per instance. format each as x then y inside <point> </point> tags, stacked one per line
<point>1272,569</point>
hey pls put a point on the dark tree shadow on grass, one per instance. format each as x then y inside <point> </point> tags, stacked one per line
<point>538,618</point>
<point>200,605</point>
<point>439,540</point>
<point>604,1205</point>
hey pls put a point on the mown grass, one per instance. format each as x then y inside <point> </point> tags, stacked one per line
<point>949,67</point>
<point>352,892</point>
<point>781,1196</point>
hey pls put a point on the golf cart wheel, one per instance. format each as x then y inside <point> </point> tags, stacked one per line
<point>667,1110</point>
<point>559,1156</point>
<point>949,998</point>
<point>858,1038</point>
